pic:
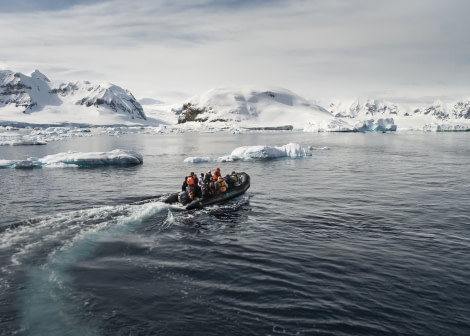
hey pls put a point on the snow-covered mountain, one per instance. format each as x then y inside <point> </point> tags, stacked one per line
<point>35,99</point>
<point>269,108</point>
<point>439,115</point>
<point>27,93</point>
<point>367,107</point>
<point>247,106</point>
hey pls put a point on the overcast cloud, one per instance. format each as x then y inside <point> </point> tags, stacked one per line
<point>318,49</point>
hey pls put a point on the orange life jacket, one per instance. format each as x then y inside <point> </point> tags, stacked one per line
<point>223,185</point>
<point>190,180</point>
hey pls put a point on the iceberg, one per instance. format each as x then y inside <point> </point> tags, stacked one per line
<point>292,150</point>
<point>7,163</point>
<point>261,152</point>
<point>117,157</point>
<point>318,148</point>
<point>195,159</point>
<point>381,125</point>
<point>13,139</point>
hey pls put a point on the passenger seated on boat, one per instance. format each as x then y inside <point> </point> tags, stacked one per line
<point>186,179</point>
<point>190,185</point>
<point>216,186</point>
<point>223,185</point>
<point>205,188</point>
<point>234,179</point>
<point>200,183</point>
<point>211,186</point>
<point>228,181</point>
<point>216,174</point>
<point>208,176</point>
<point>197,190</point>
<point>205,191</point>
<point>191,191</point>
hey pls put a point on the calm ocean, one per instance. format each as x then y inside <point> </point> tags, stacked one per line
<point>369,236</point>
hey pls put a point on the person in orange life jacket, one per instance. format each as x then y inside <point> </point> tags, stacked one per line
<point>223,185</point>
<point>185,183</point>
<point>189,185</point>
<point>216,174</point>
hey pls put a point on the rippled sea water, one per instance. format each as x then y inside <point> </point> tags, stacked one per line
<point>369,236</point>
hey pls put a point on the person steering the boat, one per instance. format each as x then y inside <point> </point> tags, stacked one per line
<point>234,178</point>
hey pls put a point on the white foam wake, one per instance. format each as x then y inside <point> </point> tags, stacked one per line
<point>45,248</point>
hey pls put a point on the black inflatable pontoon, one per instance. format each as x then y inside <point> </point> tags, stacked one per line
<point>232,192</point>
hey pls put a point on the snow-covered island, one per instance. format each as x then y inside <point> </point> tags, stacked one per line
<point>35,101</point>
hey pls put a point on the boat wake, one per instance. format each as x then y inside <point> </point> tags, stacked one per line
<point>39,254</point>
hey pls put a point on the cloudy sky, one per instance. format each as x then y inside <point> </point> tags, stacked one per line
<point>316,48</point>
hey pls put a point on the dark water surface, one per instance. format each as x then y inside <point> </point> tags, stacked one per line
<point>368,237</point>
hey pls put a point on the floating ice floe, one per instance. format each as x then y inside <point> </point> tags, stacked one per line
<point>244,153</point>
<point>117,157</point>
<point>41,136</point>
<point>292,150</point>
<point>13,139</point>
<point>318,148</point>
<point>195,159</point>
<point>7,163</point>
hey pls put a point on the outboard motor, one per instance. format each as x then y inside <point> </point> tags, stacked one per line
<point>183,197</point>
